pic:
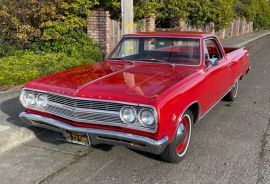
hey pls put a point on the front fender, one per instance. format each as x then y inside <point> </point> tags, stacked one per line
<point>171,114</point>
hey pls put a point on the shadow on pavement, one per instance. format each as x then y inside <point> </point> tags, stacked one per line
<point>148,155</point>
<point>12,108</point>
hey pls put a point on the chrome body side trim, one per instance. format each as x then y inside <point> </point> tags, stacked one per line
<point>98,136</point>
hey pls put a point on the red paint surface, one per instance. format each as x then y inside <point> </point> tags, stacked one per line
<point>170,89</point>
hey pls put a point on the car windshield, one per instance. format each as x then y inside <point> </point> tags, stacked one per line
<point>183,51</point>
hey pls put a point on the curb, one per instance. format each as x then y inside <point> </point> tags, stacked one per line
<point>15,138</point>
<point>18,136</point>
<point>252,40</point>
<point>12,89</point>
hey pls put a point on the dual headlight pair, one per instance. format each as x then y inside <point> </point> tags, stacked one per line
<point>29,99</point>
<point>146,116</point>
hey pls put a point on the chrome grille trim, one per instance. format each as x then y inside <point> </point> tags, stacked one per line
<point>86,110</point>
<point>91,111</point>
<point>84,117</point>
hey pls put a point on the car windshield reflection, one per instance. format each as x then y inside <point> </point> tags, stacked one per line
<point>159,50</point>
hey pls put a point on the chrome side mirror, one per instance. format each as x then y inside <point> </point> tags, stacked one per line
<point>211,62</point>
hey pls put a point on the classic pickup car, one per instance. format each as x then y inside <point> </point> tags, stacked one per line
<point>146,95</point>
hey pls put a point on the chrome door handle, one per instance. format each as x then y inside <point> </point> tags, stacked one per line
<point>229,66</point>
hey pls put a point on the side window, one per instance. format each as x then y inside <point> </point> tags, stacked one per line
<point>211,50</point>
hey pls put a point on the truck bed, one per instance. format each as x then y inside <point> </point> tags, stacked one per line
<point>230,49</point>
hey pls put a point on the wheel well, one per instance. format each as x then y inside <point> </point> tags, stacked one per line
<point>241,77</point>
<point>195,109</point>
<point>248,70</point>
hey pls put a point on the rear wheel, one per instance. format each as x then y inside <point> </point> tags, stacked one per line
<point>177,149</point>
<point>232,93</point>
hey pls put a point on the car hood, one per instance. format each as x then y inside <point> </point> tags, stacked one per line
<point>114,80</point>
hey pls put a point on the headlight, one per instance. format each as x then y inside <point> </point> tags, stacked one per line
<point>42,101</point>
<point>147,117</point>
<point>128,114</point>
<point>22,98</point>
<point>30,99</point>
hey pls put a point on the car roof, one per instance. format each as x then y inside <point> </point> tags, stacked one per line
<point>171,34</point>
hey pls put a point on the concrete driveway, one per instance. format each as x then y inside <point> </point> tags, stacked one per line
<point>230,145</point>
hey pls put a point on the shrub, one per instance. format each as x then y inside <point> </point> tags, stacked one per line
<point>26,66</point>
<point>39,37</point>
<point>26,21</point>
<point>74,44</point>
<point>7,49</point>
<point>257,11</point>
<point>172,12</point>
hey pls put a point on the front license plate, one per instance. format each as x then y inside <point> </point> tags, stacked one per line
<point>78,138</point>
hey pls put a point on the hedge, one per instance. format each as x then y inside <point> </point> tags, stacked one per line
<point>27,65</point>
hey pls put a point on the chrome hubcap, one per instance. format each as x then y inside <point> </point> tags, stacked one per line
<point>183,135</point>
<point>235,89</point>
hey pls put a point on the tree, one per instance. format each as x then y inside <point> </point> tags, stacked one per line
<point>221,13</point>
<point>201,12</point>
<point>257,11</point>
<point>113,6</point>
<point>142,8</point>
<point>25,21</point>
<point>262,16</point>
<point>146,8</point>
<point>172,12</point>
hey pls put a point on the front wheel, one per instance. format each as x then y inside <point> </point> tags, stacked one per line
<point>177,149</point>
<point>232,93</point>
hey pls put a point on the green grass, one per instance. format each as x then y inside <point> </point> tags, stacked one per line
<point>26,66</point>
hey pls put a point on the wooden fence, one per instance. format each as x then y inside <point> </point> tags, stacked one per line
<point>115,31</point>
<point>236,28</point>
<point>107,32</point>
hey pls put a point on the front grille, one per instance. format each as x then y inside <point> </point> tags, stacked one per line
<point>90,111</point>
<point>87,104</point>
<point>76,115</point>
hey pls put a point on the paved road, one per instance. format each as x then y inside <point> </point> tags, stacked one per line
<point>230,145</point>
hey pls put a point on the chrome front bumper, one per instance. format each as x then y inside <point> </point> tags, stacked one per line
<point>98,136</point>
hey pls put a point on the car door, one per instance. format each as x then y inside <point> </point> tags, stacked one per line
<point>217,70</point>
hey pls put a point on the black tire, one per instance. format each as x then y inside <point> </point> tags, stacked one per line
<point>170,154</point>
<point>231,96</point>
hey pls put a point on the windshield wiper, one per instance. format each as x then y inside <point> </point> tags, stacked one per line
<point>153,60</point>
<point>156,60</point>
<point>122,59</point>
<point>117,58</point>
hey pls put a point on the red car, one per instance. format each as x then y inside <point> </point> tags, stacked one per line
<point>145,95</point>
